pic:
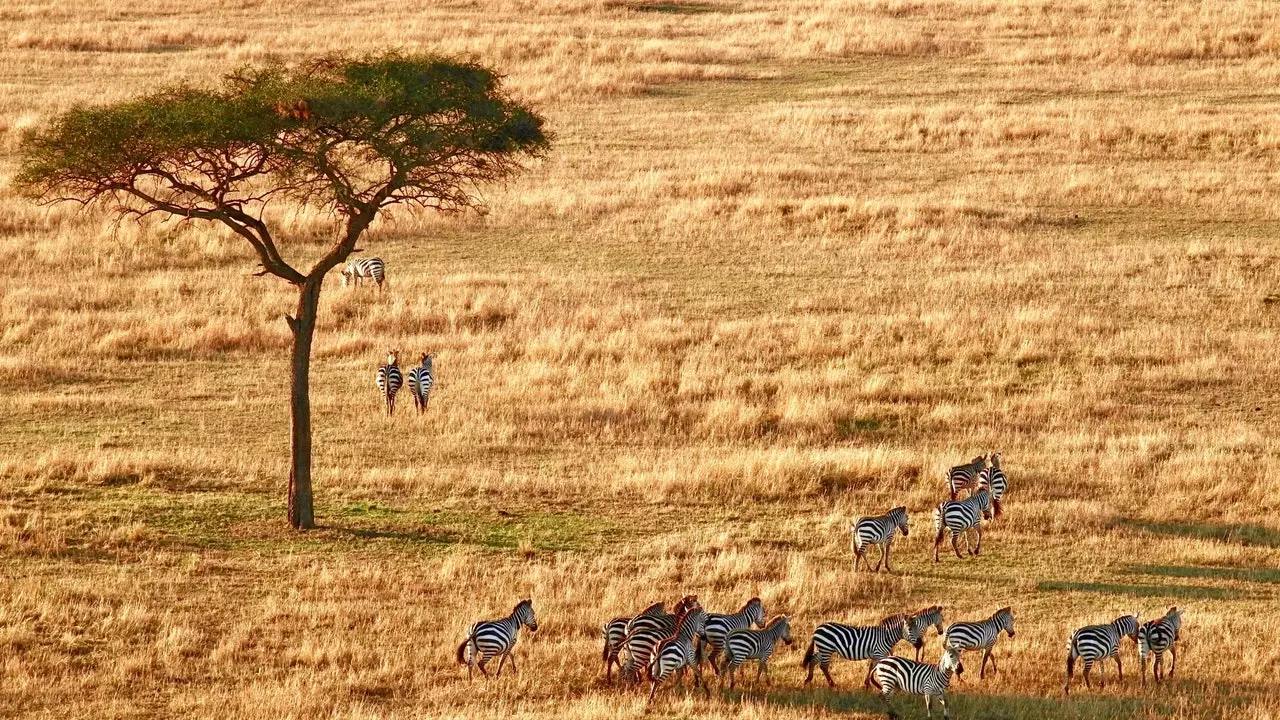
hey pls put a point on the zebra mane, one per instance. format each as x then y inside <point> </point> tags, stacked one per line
<point>775,621</point>
<point>659,607</point>
<point>754,600</point>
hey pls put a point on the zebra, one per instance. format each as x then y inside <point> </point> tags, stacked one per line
<point>979,635</point>
<point>616,630</point>
<point>491,638</point>
<point>878,530</point>
<point>390,379</point>
<point>718,626</point>
<point>372,268</point>
<point>644,632</point>
<point>421,379</point>
<point>919,622</point>
<point>965,477</point>
<point>961,516</point>
<point>1154,638</point>
<point>902,675</point>
<point>677,653</point>
<point>874,643</point>
<point>746,644</point>
<point>1099,642</point>
<point>993,479</point>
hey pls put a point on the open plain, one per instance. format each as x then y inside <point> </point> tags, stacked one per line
<point>785,263</point>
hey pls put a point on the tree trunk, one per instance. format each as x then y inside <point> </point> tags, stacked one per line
<point>303,325</point>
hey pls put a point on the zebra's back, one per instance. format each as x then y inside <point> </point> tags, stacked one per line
<point>389,380</point>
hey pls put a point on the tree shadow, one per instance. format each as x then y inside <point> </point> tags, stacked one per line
<point>987,707</point>
<point>1256,575</point>
<point>1229,533</point>
<point>1172,591</point>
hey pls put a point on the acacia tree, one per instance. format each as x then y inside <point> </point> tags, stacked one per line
<point>351,136</point>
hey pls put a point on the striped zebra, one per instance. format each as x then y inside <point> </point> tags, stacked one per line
<point>372,268</point>
<point>421,379</point>
<point>719,626</point>
<point>878,530</point>
<point>1099,642</point>
<point>492,638</point>
<point>644,632</point>
<point>390,380</point>
<point>979,635</point>
<point>616,630</point>
<point>677,653</point>
<point>746,644</point>
<point>852,642</point>
<point>919,622</point>
<point>993,480</point>
<point>959,517</point>
<point>965,477</point>
<point>1154,638</point>
<point>901,675</point>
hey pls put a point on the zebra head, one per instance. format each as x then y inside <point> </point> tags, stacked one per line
<point>686,602</point>
<point>754,611</point>
<point>393,357</point>
<point>427,360</point>
<point>917,624</point>
<point>983,498</point>
<point>691,623</point>
<point>896,625</point>
<point>524,613</point>
<point>950,662</point>
<point>1127,625</point>
<point>995,460</point>
<point>348,272</point>
<point>781,626</point>
<point>1004,620</point>
<point>899,516</point>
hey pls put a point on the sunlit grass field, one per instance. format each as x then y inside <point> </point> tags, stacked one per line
<point>785,264</point>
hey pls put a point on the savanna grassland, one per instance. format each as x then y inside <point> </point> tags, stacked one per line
<point>785,264</point>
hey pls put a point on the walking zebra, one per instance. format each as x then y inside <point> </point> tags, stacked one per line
<point>492,638</point>
<point>965,477</point>
<point>1099,642</point>
<point>901,675</point>
<point>979,635</point>
<point>851,642</point>
<point>677,653</point>
<point>993,479</point>
<point>961,516</point>
<point>644,632</point>
<point>390,379</point>
<point>1154,638</point>
<point>878,530</point>
<point>616,630</point>
<point>918,623</point>
<point>421,379</point>
<point>719,626</point>
<point>746,644</point>
<point>372,268</point>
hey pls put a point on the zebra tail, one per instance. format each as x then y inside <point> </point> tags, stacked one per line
<point>996,504</point>
<point>874,679</point>
<point>937,524</point>
<point>462,649</point>
<point>605,630</point>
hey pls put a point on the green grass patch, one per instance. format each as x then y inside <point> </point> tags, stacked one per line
<point>1257,575</point>
<point>1229,533</point>
<point>1174,591</point>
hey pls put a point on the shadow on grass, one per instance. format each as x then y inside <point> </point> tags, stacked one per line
<point>987,707</point>
<point>416,537</point>
<point>1257,575</point>
<point>1173,591</point>
<point>1242,534</point>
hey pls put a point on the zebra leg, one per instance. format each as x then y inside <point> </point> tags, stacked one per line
<point>1119,668</point>
<point>1173,664</point>
<point>826,671</point>
<point>759,672</point>
<point>955,543</point>
<point>1088,667</point>
<point>501,662</point>
<point>480,666</point>
<point>1143,670</point>
<point>1158,670</point>
<point>713,657</point>
<point>857,556</point>
<point>886,559</point>
<point>928,705</point>
<point>991,652</point>
<point>1102,672</point>
<point>866,682</point>
<point>1071,670</point>
<point>512,655</point>
<point>884,698</point>
<point>978,550</point>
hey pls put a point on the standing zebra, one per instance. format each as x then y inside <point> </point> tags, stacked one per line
<point>421,379</point>
<point>390,379</point>
<point>372,268</point>
<point>878,530</point>
<point>616,630</point>
<point>1099,642</point>
<point>1154,638</point>
<point>897,674</point>
<point>994,480</point>
<point>979,635</point>
<point>491,638</point>
<point>851,642</point>
<point>918,623</point>
<point>719,626</point>
<point>644,632</point>
<point>965,477</point>
<point>961,516</point>
<point>677,653</point>
<point>746,644</point>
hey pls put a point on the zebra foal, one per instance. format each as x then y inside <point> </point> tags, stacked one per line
<point>1099,642</point>
<point>389,380</point>
<point>979,636</point>
<point>496,638</point>
<point>1155,637</point>
<point>879,531</point>
<point>747,644</point>
<point>421,379</point>
<point>959,517</point>
<point>371,268</point>
<point>993,480</point>
<point>965,477</point>
<point>677,653</point>
<point>901,675</point>
<point>718,626</point>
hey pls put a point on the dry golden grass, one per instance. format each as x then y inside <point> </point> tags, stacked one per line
<point>786,263</point>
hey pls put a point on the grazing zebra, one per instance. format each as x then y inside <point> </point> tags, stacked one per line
<point>616,630</point>
<point>421,379</point>
<point>489,639</point>
<point>918,623</point>
<point>878,530</point>
<point>746,644</point>
<point>372,268</point>
<point>718,626</point>
<point>677,653</point>
<point>965,477</point>
<point>901,675</point>
<point>961,516</point>
<point>1157,636</point>
<point>644,632</point>
<point>994,480</point>
<point>1099,642</point>
<point>979,635</point>
<point>390,379</point>
<point>874,643</point>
